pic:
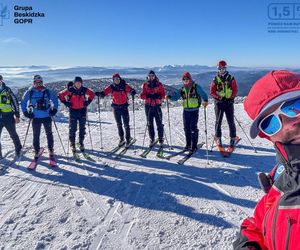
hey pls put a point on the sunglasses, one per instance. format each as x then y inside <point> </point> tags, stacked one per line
<point>151,75</point>
<point>115,79</point>
<point>271,124</point>
<point>185,79</point>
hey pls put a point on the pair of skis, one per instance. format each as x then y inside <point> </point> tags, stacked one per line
<point>227,152</point>
<point>34,163</point>
<point>124,148</point>
<point>159,153</point>
<point>186,156</point>
<point>76,154</point>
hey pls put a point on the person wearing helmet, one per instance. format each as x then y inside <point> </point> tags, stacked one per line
<point>273,104</point>
<point>223,89</point>
<point>39,104</point>
<point>192,95</point>
<point>9,115</point>
<point>120,90</point>
<point>153,92</point>
<point>77,98</point>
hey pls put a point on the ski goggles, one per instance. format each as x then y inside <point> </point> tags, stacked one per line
<point>116,79</point>
<point>271,124</point>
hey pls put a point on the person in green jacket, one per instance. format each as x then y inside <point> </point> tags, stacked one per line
<point>192,95</point>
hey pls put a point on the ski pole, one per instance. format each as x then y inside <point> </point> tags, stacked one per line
<point>58,134</point>
<point>88,122</point>
<point>165,135</point>
<point>168,110</point>
<point>133,116</point>
<point>26,133</point>
<point>245,134</point>
<point>205,125</point>
<point>99,111</point>
<point>217,125</point>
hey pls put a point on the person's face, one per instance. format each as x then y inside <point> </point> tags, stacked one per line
<point>77,84</point>
<point>151,77</point>
<point>117,80</point>
<point>37,83</point>
<point>290,130</point>
<point>185,80</point>
<point>221,70</point>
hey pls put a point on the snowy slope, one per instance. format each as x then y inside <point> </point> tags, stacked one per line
<point>131,203</point>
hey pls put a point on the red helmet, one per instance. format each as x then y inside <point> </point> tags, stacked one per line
<point>222,64</point>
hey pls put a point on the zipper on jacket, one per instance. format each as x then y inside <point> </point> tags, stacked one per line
<point>265,222</point>
<point>288,234</point>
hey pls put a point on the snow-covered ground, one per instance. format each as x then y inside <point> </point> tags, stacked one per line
<point>131,203</point>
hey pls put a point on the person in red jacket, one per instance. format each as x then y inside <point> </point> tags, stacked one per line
<point>274,105</point>
<point>119,91</point>
<point>224,89</point>
<point>153,92</point>
<point>77,98</point>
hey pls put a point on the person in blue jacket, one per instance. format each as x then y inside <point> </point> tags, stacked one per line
<point>39,104</point>
<point>192,95</point>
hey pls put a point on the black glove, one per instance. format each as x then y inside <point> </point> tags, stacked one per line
<point>86,103</point>
<point>52,112</point>
<point>101,94</point>
<point>67,104</point>
<point>153,96</point>
<point>29,115</point>
<point>133,93</point>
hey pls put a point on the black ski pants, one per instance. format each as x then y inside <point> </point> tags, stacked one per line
<point>154,112</point>
<point>122,113</point>
<point>36,127</point>
<point>190,124</point>
<point>77,117</point>
<point>8,121</point>
<point>226,107</point>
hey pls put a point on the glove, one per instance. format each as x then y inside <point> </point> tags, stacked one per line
<point>204,104</point>
<point>100,94</point>
<point>86,103</point>
<point>67,104</point>
<point>52,112</point>
<point>29,115</point>
<point>167,97</point>
<point>133,93</point>
<point>153,96</point>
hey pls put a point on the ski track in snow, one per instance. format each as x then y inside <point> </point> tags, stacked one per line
<point>130,203</point>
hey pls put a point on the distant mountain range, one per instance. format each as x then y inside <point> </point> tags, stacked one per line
<point>170,74</point>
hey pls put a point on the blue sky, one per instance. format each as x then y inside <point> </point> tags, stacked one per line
<point>146,33</point>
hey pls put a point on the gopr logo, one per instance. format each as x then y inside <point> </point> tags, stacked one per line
<point>4,13</point>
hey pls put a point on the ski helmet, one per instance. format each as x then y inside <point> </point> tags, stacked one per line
<point>222,64</point>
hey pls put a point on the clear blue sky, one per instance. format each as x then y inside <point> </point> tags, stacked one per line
<point>146,33</point>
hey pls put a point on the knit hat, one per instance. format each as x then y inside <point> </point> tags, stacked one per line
<point>37,78</point>
<point>116,75</point>
<point>78,79</point>
<point>272,89</point>
<point>151,72</point>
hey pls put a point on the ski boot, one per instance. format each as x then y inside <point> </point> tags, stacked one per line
<point>121,142</point>
<point>152,142</point>
<point>81,147</point>
<point>127,144</point>
<point>218,141</point>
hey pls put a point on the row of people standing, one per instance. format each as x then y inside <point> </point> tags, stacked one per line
<point>40,104</point>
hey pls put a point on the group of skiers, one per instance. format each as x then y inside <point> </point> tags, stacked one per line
<point>40,104</point>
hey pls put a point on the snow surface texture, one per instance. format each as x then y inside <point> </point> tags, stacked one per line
<point>131,203</point>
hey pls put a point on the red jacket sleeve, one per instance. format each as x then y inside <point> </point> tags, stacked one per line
<point>251,228</point>
<point>144,92</point>
<point>161,91</point>
<point>107,90</point>
<point>128,88</point>
<point>234,88</point>
<point>63,94</point>
<point>90,93</point>
<point>213,91</point>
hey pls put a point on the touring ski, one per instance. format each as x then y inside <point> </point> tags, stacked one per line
<point>230,149</point>
<point>124,150</point>
<point>160,152</point>
<point>148,149</point>
<point>190,154</point>
<point>33,164</point>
